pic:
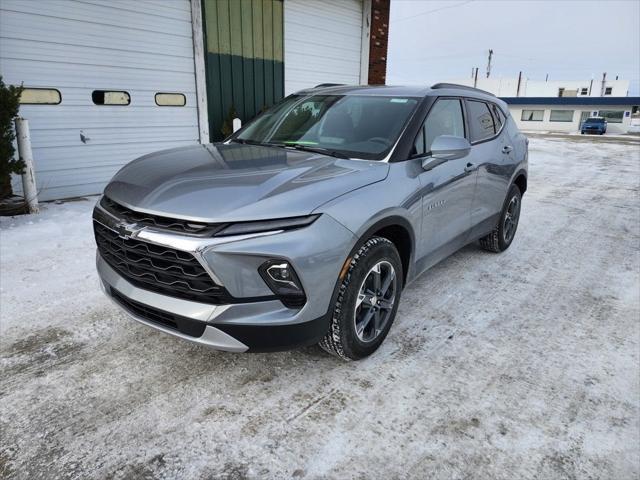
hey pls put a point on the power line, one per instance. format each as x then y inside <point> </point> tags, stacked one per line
<point>432,11</point>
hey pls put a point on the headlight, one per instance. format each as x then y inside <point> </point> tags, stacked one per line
<point>281,278</point>
<point>242,228</point>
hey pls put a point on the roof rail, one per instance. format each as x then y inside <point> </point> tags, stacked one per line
<point>330,85</point>
<point>461,87</point>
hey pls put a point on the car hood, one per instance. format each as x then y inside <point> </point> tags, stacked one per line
<point>235,182</point>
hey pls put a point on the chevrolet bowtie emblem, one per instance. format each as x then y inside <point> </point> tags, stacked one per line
<point>126,230</point>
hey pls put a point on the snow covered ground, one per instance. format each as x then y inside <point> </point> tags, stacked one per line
<point>511,366</point>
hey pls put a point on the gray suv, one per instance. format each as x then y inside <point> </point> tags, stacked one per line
<point>304,226</point>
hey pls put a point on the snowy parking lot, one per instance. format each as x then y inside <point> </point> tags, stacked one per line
<point>511,366</point>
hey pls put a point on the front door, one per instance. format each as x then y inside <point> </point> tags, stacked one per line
<point>447,190</point>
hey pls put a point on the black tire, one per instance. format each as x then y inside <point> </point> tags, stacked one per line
<point>502,235</point>
<point>341,339</point>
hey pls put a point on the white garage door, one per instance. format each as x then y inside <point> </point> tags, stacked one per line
<point>78,47</point>
<point>322,42</point>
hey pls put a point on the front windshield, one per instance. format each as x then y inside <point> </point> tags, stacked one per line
<point>359,126</point>
<point>595,120</point>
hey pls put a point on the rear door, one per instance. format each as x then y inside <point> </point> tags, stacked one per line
<point>491,154</point>
<point>447,190</point>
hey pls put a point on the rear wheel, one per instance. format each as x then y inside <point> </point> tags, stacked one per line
<point>367,301</point>
<point>502,235</point>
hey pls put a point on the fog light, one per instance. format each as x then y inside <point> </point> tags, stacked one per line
<point>283,281</point>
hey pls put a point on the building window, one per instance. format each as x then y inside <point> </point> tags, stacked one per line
<point>612,116</point>
<point>561,116</point>
<point>40,96</point>
<point>584,91</point>
<point>561,92</point>
<point>170,99</point>
<point>532,115</point>
<point>608,90</point>
<point>108,97</point>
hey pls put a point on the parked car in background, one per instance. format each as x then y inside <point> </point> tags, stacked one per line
<point>305,225</point>
<point>597,125</point>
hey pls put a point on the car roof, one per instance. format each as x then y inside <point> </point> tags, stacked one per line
<point>437,90</point>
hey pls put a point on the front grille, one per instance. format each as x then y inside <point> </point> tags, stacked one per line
<point>163,223</point>
<point>184,325</point>
<point>159,269</point>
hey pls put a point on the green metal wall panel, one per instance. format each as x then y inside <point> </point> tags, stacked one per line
<point>244,60</point>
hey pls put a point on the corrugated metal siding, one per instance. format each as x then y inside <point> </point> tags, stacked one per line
<point>244,58</point>
<point>322,42</point>
<point>142,47</point>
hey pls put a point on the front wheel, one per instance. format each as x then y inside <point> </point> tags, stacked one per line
<point>502,235</point>
<point>367,301</point>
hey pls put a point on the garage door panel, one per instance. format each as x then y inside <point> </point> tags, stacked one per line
<point>79,97</point>
<point>323,43</point>
<point>41,29</point>
<point>60,75</point>
<point>56,138</point>
<point>103,13</point>
<point>60,117</point>
<point>83,55</point>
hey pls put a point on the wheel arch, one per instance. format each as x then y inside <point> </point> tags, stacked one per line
<point>399,231</point>
<point>520,179</point>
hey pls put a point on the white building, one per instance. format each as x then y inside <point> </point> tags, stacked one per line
<point>566,114</point>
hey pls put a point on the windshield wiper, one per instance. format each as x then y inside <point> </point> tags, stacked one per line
<point>254,142</point>
<point>307,148</point>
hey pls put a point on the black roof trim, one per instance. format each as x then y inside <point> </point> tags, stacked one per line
<point>438,86</point>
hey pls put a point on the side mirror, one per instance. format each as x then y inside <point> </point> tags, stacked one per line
<point>450,147</point>
<point>445,148</point>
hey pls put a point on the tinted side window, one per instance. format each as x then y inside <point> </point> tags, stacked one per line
<point>445,118</point>
<point>480,120</point>
<point>498,116</point>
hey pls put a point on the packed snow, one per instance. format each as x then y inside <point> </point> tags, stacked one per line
<point>518,365</point>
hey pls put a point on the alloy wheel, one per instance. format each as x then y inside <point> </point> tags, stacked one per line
<point>511,217</point>
<point>375,301</point>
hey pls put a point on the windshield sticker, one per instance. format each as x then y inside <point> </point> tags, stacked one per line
<point>399,100</point>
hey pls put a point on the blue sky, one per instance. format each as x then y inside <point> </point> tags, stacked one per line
<point>431,41</point>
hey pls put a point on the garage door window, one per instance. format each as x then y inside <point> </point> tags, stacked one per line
<point>532,115</point>
<point>612,116</point>
<point>170,99</point>
<point>40,96</point>
<point>110,97</point>
<point>561,116</point>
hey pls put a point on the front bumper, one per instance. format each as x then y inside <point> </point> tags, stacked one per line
<point>316,252</point>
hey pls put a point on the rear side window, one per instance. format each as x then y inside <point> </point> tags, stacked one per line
<point>445,118</point>
<point>498,116</point>
<point>480,121</point>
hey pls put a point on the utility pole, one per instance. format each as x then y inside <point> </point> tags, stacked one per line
<point>519,82</point>
<point>489,62</point>
<point>475,79</point>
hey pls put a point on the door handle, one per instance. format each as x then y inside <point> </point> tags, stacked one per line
<point>507,149</point>
<point>470,167</point>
